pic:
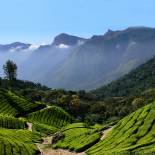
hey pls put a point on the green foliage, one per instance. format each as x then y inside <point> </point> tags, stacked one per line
<point>132,135</point>
<point>44,129</point>
<point>10,70</point>
<point>12,123</point>
<point>133,83</point>
<point>5,107</point>
<point>78,138</point>
<point>18,142</point>
<point>13,105</point>
<point>53,116</point>
<point>22,104</point>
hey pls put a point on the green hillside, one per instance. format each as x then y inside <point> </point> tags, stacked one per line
<point>53,116</point>
<point>12,123</point>
<point>132,135</point>
<point>13,105</point>
<point>78,138</point>
<point>18,142</point>
<point>44,129</point>
<point>31,117</point>
<point>133,83</point>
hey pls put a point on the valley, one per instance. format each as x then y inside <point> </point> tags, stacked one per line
<point>76,63</point>
<point>77,77</point>
<point>107,103</point>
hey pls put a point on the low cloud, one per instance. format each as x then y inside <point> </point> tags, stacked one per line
<point>33,47</point>
<point>62,46</point>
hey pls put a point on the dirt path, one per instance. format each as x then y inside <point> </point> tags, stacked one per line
<point>105,132</point>
<point>49,151</point>
<point>45,148</point>
<point>29,126</point>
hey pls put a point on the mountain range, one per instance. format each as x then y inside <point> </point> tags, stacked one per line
<point>77,63</point>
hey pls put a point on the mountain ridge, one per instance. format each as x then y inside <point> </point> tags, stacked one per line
<point>86,64</point>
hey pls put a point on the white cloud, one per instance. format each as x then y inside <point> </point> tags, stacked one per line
<point>15,49</point>
<point>62,46</point>
<point>33,47</point>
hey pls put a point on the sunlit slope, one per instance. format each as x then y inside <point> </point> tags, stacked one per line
<point>135,134</point>
<point>18,142</point>
<point>53,116</point>
<point>78,138</point>
<point>13,105</point>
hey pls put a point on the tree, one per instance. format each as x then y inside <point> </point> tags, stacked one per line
<point>10,70</point>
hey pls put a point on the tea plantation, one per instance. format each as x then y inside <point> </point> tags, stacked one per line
<point>13,105</point>
<point>135,134</point>
<point>24,125</point>
<point>18,142</point>
<point>78,138</point>
<point>11,122</point>
<point>44,129</point>
<point>53,116</point>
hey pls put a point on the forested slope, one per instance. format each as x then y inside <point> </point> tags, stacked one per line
<point>133,83</point>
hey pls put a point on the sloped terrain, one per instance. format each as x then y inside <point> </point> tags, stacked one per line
<point>53,116</point>
<point>132,135</point>
<point>12,123</point>
<point>103,59</point>
<point>44,129</point>
<point>13,105</point>
<point>78,138</point>
<point>18,142</point>
<point>75,63</point>
<point>5,107</point>
<point>138,80</point>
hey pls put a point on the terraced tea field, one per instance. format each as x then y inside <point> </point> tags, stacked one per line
<point>78,138</point>
<point>53,116</point>
<point>135,134</point>
<point>18,142</point>
<point>5,107</point>
<point>13,105</point>
<point>44,129</point>
<point>12,123</point>
<point>22,105</point>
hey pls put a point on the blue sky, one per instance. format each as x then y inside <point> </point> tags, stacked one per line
<point>38,21</point>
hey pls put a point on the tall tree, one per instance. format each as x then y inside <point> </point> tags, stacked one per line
<point>10,70</point>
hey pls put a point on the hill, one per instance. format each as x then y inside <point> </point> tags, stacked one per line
<point>23,123</point>
<point>18,142</point>
<point>134,134</point>
<point>53,116</point>
<point>13,105</point>
<point>77,137</point>
<point>138,80</point>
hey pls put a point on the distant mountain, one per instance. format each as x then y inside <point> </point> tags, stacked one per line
<point>38,61</point>
<point>137,81</point>
<point>68,40</point>
<point>76,63</point>
<point>103,59</point>
<point>16,46</point>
